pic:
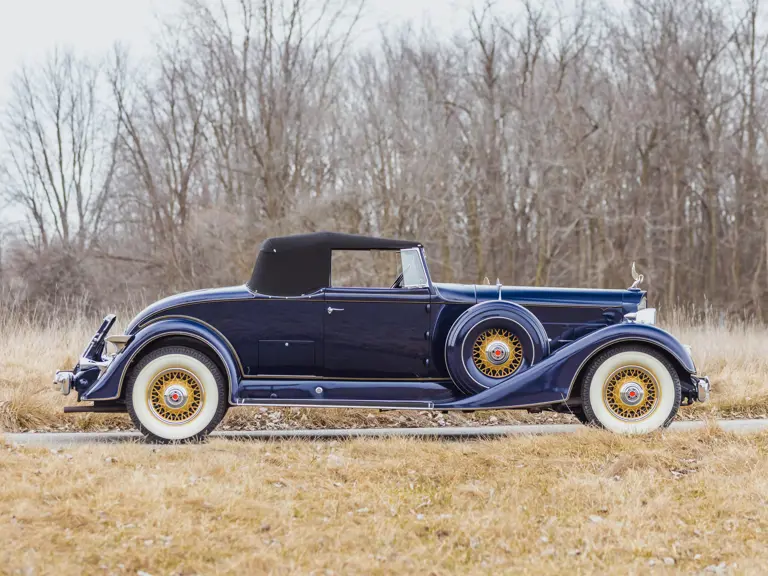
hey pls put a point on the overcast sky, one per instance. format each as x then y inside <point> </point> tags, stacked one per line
<point>31,28</point>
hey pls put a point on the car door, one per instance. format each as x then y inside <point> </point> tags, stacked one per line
<point>376,333</point>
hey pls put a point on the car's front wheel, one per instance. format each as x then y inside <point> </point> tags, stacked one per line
<point>176,394</point>
<point>630,389</point>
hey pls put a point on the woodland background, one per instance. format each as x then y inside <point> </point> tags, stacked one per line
<point>543,144</point>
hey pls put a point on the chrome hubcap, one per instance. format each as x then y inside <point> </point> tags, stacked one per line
<point>175,397</point>
<point>497,352</point>
<point>631,393</point>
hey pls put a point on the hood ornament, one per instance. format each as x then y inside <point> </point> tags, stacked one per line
<point>636,277</point>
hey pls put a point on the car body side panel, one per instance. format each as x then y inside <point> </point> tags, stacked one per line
<point>570,313</point>
<point>111,384</point>
<point>253,323</point>
<point>551,380</point>
<point>566,313</point>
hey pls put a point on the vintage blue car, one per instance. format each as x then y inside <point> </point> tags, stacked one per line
<point>290,337</point>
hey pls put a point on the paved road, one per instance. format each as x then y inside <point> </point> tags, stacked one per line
<point>63,439</point>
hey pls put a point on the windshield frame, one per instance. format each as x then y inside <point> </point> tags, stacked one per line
<point>419,258</point>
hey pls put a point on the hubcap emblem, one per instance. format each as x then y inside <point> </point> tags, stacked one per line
<point>175,396</point>
<point>497,352</point>
<point>631,393</point>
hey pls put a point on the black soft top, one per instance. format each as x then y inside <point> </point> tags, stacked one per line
<point>301,264</point>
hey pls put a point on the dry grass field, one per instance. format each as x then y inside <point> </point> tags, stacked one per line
<point>586,503</point>
<point>734,355</point>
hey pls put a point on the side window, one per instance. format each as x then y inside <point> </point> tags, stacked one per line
<point>364,268</point>
<point>414,275</point>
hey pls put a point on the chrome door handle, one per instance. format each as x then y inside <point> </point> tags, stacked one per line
<point>332,310</point>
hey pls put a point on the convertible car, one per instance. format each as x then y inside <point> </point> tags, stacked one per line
<point>291,336</point>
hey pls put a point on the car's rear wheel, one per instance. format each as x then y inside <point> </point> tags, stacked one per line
<point>176,394</point>
<point>631,389</point>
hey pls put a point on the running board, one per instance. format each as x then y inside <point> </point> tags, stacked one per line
<point>307,403</point>
<point>112,408</point>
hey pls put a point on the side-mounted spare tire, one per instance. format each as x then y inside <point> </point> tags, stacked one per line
<point>492,341</point>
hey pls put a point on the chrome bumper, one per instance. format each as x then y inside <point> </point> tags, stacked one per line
<point>703,388</point>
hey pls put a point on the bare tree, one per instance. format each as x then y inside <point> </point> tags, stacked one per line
<point>61,150</point>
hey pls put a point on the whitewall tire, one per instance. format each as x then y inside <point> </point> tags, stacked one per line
<point>176,394</point>
<point>631,389</point>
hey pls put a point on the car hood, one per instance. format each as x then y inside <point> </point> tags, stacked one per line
<point>185,299</point>
<point>527,295</point>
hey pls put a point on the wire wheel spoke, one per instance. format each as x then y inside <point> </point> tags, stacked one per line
<point>175,396</point>
<point>497,353</point>
<point>631,393</point>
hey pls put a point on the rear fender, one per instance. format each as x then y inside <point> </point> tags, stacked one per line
<point>111,384</point>
<point>553,379</point>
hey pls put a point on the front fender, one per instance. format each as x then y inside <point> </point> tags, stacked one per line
<point>110,384</point>
<point>553,379</point>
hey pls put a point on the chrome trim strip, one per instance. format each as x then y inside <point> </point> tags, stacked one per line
<point>284,403</point>
<point>152,317</point>
<point>565,305</point>
<point>392,301</point>
<point>442,408</point>
<point>313,377</point>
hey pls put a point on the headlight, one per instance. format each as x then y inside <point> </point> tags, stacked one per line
<point>644,316</point>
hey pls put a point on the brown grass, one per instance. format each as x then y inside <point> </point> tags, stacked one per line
<point>735,355</point>
<point>586,503</point>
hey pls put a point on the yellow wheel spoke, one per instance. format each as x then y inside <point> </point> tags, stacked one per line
<point>631,380</point>
<point>499,337</point>
<point>175,396</point>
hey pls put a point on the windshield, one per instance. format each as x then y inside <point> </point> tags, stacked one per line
<point>414,275</point>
